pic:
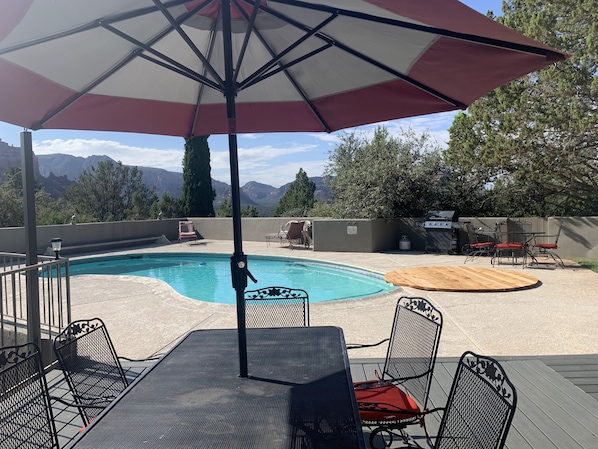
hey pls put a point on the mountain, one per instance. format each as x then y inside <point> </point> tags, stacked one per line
<point>11,157</point>
<point>262,194</point>
<point>58,171</point>
<point>55,185</point>
<point>72,166</point>
<point>67,165</point>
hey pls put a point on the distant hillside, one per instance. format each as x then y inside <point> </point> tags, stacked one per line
<point>73,166</point>
<point>11,157</point>
<point>67,165</point>
<point>58,171</point>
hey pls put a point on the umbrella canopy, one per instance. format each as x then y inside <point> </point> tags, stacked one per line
<point>159,67</point>
<point>197,67</point>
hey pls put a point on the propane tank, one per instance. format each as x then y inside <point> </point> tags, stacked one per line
<point>404,243</point>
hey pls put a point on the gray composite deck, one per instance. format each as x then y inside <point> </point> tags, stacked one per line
<point>67,419</point>
<point>552,412</point>
<point>557,399</point>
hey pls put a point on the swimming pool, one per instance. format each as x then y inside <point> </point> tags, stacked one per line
<point>206,277</point>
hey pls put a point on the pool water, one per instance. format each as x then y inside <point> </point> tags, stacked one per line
<point>207,277</point>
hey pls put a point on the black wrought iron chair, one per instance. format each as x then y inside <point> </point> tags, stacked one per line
<point>90,365</point>
<point>548,249</point>
<point>26,419</point>
<point>276,307</point>
<point>512,242</point>
<point>475,248</point>
<point>480,406</point>
<point>399,396</point>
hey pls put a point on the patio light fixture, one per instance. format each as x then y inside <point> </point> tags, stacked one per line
<point>56,246</point>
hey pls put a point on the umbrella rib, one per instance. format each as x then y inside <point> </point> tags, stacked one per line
<point>201,85</point>
<point>283,67</point>
<point>191,75</point>
<point>176,26</point>
<point>426,29</point>
<point>369,60</point>
<point>406,78</point>
<point>290,77</point>
<point>275,60</point>
<point>250,26</point>
<point>172,64</point>
<point>69,101</point>
<point>137,52</point>
<point>90,26</point>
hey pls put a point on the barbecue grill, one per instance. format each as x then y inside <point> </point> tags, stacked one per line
<point>442,231</point>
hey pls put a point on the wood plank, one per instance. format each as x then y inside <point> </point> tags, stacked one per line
<point>548,412</point>
<point>461,279</point>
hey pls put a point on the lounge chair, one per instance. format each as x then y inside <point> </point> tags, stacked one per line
<point>187,231</point>
<point>291,231</point>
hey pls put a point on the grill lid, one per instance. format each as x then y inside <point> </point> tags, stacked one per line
<point>442,215</point>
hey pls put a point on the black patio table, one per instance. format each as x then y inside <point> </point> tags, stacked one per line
<point>298,394</point>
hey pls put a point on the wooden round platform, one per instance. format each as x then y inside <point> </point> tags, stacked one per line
<point>461,279</point>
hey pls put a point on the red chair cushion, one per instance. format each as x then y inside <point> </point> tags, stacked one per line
<point>384,402</point>
<point>546,245</point>
<point>482,245</point>
<point>510,245</point>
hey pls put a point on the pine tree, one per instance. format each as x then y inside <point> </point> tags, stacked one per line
<point>298,199</point>
<point>197,194</point>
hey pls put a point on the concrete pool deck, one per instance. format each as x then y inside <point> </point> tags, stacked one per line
<point>146,316</point>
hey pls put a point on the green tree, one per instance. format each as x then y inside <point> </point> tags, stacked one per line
<point>197,193</point>
<point>250,211</point>
<point>110,192</point>
<point>530,147</point>
<point>298,199</point>
<point>169,206</point>
<point>11,199</point>
<point>48,210</point>
<point>386,176</point>
<point>226,208</point>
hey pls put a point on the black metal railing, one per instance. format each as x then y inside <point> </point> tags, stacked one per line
<point>54,297</point>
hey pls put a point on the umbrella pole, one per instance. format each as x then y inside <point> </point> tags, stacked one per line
<point>238,259</point>
<point>32,288</point>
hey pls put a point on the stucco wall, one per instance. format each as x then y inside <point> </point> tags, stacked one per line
<point>578,239</point>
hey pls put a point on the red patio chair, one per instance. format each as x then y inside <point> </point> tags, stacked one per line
<point>513,242</point>
<point>476,248</point>
<point>548,249</point>
<point>399,396</point>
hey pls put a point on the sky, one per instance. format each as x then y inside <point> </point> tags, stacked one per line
<point>273,159</point>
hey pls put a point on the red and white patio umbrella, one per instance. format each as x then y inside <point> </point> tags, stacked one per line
<point>200,67</point>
